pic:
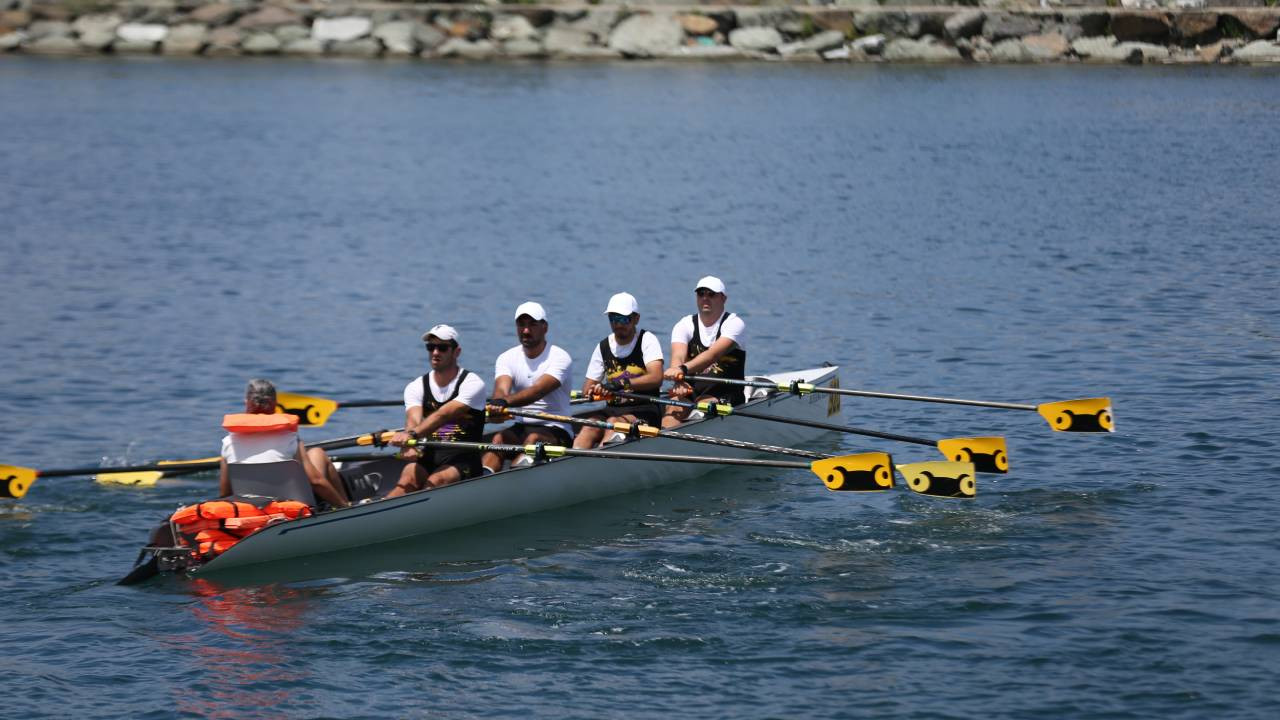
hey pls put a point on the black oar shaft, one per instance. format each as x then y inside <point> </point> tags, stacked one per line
<point>868,393</point>
<point>369,403</point>
<point>167,467</point>
<point>794,421</point>
<point>556,450</point>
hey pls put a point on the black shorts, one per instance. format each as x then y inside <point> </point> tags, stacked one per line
<point>521,429</point>
<point>468,463</point>
<point>647,413</point>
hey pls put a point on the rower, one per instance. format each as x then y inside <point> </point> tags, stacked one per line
<point>262,435</point>
<point>534,374</point>
<point>629,359</point>
<point>446,404</point>
<point>708,343</point>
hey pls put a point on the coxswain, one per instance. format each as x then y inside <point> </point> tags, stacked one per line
<point>445,404</point>
<point>708,343</point>
<point>630,358</point>
<point>277,445</point>
<point>534,375</point>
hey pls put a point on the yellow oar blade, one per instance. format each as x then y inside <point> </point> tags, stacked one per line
<point>215,459</point>
<point>15,480</point>
<point>1084,415</point>
<point>865,472</point>
<point>146,478</point>
<point>988,454</point>
<point>941,478</point>
<point>310,410</point>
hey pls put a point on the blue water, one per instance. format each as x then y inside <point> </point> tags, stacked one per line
<point>172,228</point>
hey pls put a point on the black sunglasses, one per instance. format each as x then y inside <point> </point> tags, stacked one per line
<point>441,347</point>
<point>706,292</point>
<point>618,319</point>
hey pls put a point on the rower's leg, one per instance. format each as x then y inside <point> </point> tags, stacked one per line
<point>673,416</point>
<point>319,460</point>
<point>444,475</point>
<point>588,437</point>
<point>493,460</point>
<point>411,478</point>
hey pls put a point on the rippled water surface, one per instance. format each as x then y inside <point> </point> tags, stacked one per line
<point>171,229</point>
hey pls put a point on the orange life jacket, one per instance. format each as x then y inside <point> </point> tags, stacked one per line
<point>214,542</point>
<point>292,509</point>
<point>259,422</point>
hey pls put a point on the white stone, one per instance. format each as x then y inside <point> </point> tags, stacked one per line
<point>647,35</point>
<point>1258,51</point>
<point>9,41</point>
<point>512,27</point>
<point>559,40</point>
<point>341,29</point>
<point>96,23</point>
<point>755,38</point>
<point>142,32</point>
<point>870,44</point>
<point>397,37</point>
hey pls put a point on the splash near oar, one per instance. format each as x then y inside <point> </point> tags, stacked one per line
<point>1083,415</point>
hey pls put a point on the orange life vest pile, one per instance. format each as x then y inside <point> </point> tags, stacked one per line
<point>213,526</point>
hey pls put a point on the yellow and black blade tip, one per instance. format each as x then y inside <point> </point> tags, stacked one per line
<point>988,454</point>
<point>1088,415</point>
<point>15,481</point>
<point>941,479</point>
<point>866,472</point>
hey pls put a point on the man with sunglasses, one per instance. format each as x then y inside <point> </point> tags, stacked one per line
<point>445,404</point>
<point>628,358</point>
<point>708,343</point>
<point>533,375</point>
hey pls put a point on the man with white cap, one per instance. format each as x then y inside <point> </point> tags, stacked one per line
<point>629,358</point>
<point>708,343</point>
<point>445,404</point>
<point>534,375</point>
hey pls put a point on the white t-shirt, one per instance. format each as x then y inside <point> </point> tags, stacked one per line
<point>261,447</point>
<point>650,347</point>
<point>733,328</point>
<point>473,392</point>
<point>525,371</point>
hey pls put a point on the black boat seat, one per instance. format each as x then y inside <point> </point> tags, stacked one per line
<point>284,480</point>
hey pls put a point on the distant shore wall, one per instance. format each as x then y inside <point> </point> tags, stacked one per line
<point>849,31</point>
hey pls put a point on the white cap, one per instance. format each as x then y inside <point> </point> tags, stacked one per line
<point>532,309</point>
<point>711,283</point>
<point>623,304</point>
<point>443,332</point>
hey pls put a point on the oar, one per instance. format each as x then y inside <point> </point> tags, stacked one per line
<point>863,472</point>
<point>315,411</point>
<point>988,454</point>
<point>172,468</point>
<point>1083,415</point>
<point>16,480</point>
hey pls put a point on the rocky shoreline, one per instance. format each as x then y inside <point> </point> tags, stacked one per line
<point>852,31</point>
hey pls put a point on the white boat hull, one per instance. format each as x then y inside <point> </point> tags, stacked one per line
<point>555,484</point>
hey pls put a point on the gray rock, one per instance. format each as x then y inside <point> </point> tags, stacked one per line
<point>1140,25</point>
<point>647,36</point>
<point>429,37</point>
<point>215,13</point>
<point>1049,46</point>
<point>289,33</point>
<point>770,17</point>
<point>523,48</point>
<point>870,44</point>
<point>921,51</point>
<point>97,22</point>
<point>270,16</point>
<point>365,47</point>
<point>185,39</point>
<point>817,44</point>
<point>597,21</point>
<point>1149,51</point>
<point>837,54</point>
<point>460,48</point>
<point>1011,51</point>
<point>304,47</point>
<point>397,37</point>
<point>512,27</point>
<point>97,39</point>
<point>759,39</point>
<point>343,29</point>
<point>224,41</point>
<point>48,28</point>
<point>261,43</point>
<point>963,24</point>
<point>134,47</point>
<point>53,45</point>
<point>560,41</point>
<point>999,26</point>
<point>12,40</point>
<point>142,33</point>
<point>1262,23</point>
<point>1259,51</point>
<point>706,52</point>
<point>1106,49</point>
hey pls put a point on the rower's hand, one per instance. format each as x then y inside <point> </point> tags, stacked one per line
<point>681,390</point>
<point>399,439</point>
<point>675,374</point>
<point>408,454</point>
<point>598,393</point>
<point>496,410</point>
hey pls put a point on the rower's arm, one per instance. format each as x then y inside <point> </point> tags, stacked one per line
<point>224,479</point>
<point>542,387</point>
<point>679,353</point>
<point>452,410</point>
<point>708,357</point>
<point>651,379</point>
<point>502,386</point>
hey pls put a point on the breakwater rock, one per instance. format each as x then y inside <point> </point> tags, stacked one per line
<point>1188,31</point>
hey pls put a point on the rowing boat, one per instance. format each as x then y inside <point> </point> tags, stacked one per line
<point>555,483</point>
